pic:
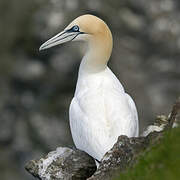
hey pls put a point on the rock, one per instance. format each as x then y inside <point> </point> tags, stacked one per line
<point>64,163</point>
<point>126,150</point>
<point>119,157</point>
<point>123,155</point>
<point>159,125</point>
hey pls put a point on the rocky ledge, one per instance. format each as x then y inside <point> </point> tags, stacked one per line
<point>65,163</point>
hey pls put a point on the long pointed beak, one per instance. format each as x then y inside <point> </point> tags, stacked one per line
<point>60,38</point>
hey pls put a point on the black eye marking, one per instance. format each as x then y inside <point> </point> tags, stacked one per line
<point>74,29</point>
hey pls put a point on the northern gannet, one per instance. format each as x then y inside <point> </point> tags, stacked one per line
<point>100,110</point>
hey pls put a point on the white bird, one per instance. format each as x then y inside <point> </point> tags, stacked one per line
<point>100,110</point>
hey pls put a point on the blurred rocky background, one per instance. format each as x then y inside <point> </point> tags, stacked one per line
<point>36,87</point>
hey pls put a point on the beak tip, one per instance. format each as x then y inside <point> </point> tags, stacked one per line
<point>41,48</point>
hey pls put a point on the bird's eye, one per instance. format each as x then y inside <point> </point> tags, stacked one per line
<point>75,28</point>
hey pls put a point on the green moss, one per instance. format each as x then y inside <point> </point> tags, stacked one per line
<point>161,162</point>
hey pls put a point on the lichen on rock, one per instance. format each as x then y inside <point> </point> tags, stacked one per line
<point>64,163</point>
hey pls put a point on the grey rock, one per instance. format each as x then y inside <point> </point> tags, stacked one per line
<point>64,163</point>
<point>120,156</point>
<point>123,155</point>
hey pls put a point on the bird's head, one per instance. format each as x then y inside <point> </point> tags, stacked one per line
<point>88,28</point>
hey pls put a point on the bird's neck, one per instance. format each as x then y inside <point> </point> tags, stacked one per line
<point>96,57</point>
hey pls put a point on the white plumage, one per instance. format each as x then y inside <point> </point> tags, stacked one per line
<point>101,110</point>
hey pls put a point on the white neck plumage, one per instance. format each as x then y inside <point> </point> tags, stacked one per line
<point>96,58</point>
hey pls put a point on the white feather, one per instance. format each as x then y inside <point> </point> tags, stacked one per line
<point>100,112</point>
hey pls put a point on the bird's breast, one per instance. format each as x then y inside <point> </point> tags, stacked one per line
<point>97,83</point>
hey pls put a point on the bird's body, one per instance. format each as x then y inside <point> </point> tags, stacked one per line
<point>100,110</point>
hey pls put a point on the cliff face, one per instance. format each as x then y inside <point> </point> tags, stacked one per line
<point>152,156</point>
<point>36,88</point>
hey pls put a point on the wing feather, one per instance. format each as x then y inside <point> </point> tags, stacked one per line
<point>100,112</point>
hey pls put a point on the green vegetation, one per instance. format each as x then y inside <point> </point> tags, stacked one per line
<point>160,162</point>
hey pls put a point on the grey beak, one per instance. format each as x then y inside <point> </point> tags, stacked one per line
<point>60,38</point>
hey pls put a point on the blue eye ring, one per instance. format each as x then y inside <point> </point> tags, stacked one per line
<point>75,28</point>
